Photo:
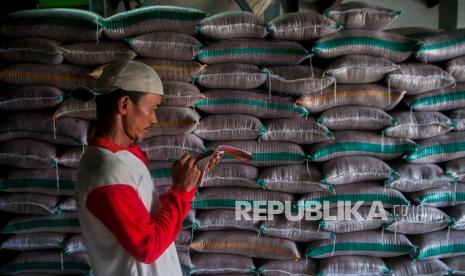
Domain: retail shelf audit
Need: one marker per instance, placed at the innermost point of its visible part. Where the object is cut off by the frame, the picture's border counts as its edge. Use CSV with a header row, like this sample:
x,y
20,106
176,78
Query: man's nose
x,y
153,120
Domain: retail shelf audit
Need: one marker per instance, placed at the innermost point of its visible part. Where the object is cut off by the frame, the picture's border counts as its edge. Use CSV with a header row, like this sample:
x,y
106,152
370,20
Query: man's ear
x,y
123,105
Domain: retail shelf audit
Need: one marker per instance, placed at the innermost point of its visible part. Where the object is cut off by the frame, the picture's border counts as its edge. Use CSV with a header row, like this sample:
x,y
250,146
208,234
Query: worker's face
x,y
140,116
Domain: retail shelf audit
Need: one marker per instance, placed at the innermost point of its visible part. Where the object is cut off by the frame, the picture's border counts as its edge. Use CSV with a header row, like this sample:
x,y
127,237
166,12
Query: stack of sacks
x,y
47,62
370,127
393,143
435,116
164,38
362,157
243,72
39,148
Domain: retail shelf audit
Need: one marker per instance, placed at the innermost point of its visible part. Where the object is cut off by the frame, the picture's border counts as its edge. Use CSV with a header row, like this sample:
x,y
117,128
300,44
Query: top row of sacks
x,y
79,25
68,25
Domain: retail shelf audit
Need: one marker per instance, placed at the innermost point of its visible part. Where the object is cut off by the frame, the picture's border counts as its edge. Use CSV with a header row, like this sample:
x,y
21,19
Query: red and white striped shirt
x,y
127,229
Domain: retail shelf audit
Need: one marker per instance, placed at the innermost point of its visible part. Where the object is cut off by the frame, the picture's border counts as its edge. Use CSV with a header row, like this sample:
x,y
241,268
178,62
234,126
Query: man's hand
x,y
186,174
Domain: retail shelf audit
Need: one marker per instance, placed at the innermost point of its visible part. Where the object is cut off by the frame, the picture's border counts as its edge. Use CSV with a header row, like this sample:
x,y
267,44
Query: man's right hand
x,y
185,173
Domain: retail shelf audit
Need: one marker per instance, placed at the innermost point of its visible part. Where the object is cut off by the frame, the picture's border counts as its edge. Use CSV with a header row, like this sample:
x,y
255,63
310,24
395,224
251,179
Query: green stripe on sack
x,y
449,196
6,184
355,246
24,267
224,203
423,152
444,44
359,146
353,198
27,225
438,99
254,51
437,251
273,156
161,173
266,105
362,40
126,19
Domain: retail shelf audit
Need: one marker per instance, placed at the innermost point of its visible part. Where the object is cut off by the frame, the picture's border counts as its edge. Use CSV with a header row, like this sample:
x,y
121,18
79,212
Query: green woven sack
x,y
365,143
442,148
51,181
366,192
438,100
445,196
440,244
254,51
232,25
228,197
365,42
353,224
359,15
265,154
59,24
47,262
64,223
152,19
256,104
442,46
301,26
366,243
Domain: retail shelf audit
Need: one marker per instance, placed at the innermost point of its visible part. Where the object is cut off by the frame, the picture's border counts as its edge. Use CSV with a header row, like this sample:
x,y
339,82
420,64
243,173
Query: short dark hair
x,y
107,104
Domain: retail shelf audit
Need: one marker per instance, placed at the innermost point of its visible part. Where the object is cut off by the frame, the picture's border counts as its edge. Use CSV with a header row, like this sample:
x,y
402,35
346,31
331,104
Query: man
x,y
127,230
